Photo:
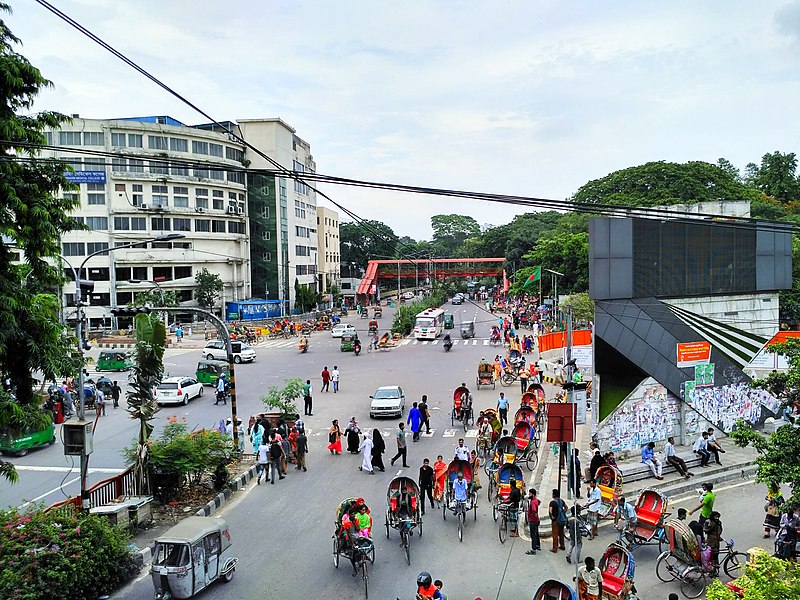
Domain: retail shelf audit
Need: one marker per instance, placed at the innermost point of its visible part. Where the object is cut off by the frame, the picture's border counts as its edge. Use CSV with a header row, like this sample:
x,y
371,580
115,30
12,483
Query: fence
x,y
106,491
558,339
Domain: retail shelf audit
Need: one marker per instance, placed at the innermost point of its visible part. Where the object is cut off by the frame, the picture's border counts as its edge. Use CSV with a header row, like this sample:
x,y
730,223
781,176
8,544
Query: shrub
x,y
405,314
283,399
61,554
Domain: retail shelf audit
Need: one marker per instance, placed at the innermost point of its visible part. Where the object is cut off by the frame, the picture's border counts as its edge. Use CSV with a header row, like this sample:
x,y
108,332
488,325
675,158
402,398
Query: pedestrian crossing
x,y
469,342
457,432
292,343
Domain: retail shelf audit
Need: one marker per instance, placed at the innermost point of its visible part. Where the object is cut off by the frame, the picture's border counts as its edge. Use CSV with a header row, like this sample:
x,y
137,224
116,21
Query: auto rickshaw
x,y
348,338
208,371
191,556
468,329
114,360
20,445
377,312
449,321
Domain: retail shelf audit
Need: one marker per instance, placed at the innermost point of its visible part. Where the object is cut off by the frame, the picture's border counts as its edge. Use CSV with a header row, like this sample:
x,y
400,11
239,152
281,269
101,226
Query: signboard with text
x,y
693,353
86,176
582,356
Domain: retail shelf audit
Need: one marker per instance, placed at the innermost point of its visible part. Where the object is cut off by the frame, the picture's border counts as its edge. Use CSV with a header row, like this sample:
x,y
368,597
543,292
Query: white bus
x,y
429,324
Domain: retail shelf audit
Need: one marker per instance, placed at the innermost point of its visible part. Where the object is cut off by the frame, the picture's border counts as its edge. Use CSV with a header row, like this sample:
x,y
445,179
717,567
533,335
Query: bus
x,y
429,324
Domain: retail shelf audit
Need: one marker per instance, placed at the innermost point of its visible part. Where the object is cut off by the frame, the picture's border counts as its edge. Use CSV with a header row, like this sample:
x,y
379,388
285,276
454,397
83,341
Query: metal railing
x,y
105,491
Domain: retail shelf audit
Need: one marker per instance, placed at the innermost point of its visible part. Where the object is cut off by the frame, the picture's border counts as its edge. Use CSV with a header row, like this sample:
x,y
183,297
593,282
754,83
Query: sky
x,y
527,98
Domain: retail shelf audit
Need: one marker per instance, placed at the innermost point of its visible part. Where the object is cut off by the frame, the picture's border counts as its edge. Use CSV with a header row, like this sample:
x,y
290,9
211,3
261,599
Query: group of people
x,y
276,448
781,518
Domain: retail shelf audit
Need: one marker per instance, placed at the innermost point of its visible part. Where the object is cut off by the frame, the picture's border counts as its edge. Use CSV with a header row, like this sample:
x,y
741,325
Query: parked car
x,y
178,390
215,350
408,295
387,401
342,328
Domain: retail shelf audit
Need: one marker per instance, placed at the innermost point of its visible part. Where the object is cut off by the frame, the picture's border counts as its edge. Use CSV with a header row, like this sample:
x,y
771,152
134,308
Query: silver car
x,y
387,401
215,350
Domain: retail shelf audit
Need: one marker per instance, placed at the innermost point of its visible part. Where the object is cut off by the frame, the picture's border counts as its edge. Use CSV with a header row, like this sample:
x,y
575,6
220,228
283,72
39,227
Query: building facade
x,y
161,177
328,260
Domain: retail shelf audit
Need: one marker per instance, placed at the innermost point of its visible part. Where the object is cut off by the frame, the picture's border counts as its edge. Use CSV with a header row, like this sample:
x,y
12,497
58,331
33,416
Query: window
x,y
267,256
180,191
73,249
92,247
183,272
199,147
158,168
97,199
215,150
218,226
100,299
178,145
96,187
124,297
159,196
160,224
119,165
216,193
93,138
122,273
122,224
300,213
181,197
200,173
203,225
236,177
299,187
219,204
233,154
265,212
231,195
162,273
157,142
236,227
202,192
138,224
301,269
94,164
135,140
301,251
118,140
266,235
160,189
301,231
135,165
48,135
97,223
214,174
241,197
69,138
180,170
182,224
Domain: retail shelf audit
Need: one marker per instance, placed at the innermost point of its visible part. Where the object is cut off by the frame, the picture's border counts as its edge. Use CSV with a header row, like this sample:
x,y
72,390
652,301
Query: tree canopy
x,y
209,287
362,242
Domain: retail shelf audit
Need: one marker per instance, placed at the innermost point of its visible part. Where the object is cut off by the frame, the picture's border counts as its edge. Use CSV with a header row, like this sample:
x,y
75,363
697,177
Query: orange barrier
x,y
558,339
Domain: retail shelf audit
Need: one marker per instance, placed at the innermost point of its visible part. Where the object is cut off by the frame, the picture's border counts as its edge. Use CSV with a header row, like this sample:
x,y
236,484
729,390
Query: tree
x,y
779,455
451,231
581,305
567,253
146,373
727,166
33,215
283,399
765,578
361,242
305,297
209,287
155,298
777,176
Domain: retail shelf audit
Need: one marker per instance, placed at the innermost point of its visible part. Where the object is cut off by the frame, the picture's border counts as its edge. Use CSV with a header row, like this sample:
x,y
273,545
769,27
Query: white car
x,y
409,295
178,390
215,350
342,328
387,401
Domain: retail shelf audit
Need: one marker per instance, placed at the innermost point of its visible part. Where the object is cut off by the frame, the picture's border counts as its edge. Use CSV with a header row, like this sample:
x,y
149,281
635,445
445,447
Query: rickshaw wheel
x,y
228,577
387,522
734,563
495,512
665,567
693,582
420,528
335,553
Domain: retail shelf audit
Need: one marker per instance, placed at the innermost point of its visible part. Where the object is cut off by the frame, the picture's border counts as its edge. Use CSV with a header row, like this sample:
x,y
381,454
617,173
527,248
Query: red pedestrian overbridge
x,y
433,268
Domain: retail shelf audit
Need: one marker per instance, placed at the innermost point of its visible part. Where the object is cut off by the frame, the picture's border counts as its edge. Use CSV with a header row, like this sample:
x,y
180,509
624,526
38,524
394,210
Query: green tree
x,y
33,216
146,373
284,399
567,253
361,242
777,176
155,298
727,166
305,297
209,287
581,305
765,578
451,231
779,455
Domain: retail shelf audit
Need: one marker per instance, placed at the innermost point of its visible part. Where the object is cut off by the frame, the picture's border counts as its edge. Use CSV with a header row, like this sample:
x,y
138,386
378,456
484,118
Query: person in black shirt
x,y
426,483
115,392
514,499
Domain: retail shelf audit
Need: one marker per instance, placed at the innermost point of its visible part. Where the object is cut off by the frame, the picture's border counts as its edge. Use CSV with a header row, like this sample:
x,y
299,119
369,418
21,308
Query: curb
x,y
549,379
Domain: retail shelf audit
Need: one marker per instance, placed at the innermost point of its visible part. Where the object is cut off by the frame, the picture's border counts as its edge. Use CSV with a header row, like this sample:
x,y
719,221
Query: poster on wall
x,y
688,388
704,374
693,353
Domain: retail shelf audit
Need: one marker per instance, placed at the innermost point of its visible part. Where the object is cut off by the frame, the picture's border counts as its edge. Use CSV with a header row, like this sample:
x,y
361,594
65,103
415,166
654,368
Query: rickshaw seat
x,y
504,491
607,492
647,516
612,584
522,443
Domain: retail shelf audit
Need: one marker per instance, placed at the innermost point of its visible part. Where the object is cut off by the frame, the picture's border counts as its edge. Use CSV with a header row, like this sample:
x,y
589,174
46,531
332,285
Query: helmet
x,y
424,579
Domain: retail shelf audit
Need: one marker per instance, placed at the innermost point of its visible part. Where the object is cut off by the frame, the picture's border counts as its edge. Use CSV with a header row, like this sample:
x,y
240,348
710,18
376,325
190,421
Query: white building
x,y
151,189
328,259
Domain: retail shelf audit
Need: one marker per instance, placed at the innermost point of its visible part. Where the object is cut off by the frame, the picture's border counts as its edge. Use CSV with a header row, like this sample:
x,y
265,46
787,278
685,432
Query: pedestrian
x,y
533,522
262,464
366,455
596,462
594,502
712,532
286,448
475,462
502,408
222,389
557,511
775,500
115,394
439,477
462,452
706,505
307,399
275,460
335,438
713,446
514,501
426,483
302,449
523,380
100,400
400,438
590,581
378,448
353,431
415,418
675,460
257,437
575,537
439,585
573,481
326,379
701,449
335,378
649,458
426,415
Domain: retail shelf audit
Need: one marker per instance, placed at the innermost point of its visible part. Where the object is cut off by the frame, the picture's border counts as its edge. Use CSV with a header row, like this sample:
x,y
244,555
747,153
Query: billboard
x,y
693,353
86,176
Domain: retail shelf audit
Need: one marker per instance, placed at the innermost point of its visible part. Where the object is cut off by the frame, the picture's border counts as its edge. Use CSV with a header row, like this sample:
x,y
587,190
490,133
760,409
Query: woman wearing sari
x,y
439,476
335,438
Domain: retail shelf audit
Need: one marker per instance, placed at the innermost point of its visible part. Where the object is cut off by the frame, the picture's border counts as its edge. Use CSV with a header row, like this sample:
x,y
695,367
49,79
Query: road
x,y
282,532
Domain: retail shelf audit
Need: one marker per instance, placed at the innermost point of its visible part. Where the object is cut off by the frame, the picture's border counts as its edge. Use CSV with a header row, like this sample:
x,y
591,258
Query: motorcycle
x,y
447,346
356,349
303,348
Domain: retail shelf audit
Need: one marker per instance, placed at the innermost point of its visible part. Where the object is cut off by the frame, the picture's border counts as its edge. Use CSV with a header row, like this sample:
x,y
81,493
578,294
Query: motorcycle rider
x,y
222,389
448,343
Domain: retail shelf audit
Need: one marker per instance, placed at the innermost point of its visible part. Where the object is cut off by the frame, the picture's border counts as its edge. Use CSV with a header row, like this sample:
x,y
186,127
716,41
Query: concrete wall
x,y
756,313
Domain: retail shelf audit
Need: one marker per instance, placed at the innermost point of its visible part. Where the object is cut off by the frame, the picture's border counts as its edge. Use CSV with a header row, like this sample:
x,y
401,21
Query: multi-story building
x,y
165,178
328,243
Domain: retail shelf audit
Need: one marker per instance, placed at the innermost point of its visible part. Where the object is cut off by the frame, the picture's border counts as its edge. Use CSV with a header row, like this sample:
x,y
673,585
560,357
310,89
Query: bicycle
x,y
502,512
694,578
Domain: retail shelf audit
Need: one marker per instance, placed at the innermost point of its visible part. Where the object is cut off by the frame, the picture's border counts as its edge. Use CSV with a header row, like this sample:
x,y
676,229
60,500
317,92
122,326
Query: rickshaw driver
x,y
374,341
304,341
627,513
460,489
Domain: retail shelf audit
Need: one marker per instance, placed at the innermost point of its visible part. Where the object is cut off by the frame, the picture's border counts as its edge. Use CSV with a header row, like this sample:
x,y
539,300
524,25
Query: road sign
x,y
561,422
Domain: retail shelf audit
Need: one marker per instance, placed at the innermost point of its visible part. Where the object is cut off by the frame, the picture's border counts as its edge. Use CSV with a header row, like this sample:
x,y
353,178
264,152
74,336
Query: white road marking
x,y
449,433
474,342
472,433
401,470
485,342
429,434
53,491
416,342
434,342
424,342
405,342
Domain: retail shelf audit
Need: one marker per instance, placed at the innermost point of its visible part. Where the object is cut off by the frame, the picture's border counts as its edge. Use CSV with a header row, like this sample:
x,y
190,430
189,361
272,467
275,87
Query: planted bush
x,y
61,554
405,314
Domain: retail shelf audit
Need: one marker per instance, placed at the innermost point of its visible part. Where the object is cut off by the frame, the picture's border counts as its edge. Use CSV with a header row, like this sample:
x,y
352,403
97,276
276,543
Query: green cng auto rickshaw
x,y
191,556
20,445
449,321
348,337
114,360
208,371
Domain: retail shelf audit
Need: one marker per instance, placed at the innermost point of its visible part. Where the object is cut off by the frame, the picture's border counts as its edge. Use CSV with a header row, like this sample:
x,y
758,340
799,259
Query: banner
x,y
693,353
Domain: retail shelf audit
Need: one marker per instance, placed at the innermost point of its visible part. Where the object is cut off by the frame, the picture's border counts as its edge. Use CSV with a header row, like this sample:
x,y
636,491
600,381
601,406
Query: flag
x,y
535,276
505,282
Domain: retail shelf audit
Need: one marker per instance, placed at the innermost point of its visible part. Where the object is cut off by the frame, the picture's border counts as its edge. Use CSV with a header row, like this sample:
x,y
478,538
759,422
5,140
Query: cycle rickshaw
x,y
462,407
449,502
609,480
502,485
618,567
372,327
485,375
505,452
524,435
403,511
651,511
691,565
358,549
554,590
525,413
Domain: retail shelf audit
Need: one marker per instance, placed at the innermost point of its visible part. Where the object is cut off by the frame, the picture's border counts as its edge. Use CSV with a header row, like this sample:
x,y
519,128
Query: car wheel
x,y
237,359
209,357
22,452
185,399
201,392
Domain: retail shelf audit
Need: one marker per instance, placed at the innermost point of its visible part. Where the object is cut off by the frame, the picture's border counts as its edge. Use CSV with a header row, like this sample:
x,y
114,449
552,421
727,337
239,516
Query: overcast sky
x,y
529,98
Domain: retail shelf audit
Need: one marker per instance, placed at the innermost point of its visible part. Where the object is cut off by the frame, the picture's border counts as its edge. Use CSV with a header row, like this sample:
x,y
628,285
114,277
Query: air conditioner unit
x,y
240,211
231,210
200,209
143,206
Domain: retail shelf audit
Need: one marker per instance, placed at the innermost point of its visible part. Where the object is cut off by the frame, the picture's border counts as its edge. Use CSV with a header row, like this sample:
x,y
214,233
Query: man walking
x,y
275,458
594,501
426,416
302,449
557,512
426,483
262,466
400,437
415,418
462,452
502,408
307,399
701,449
590,581
649,458
335,378
115,393
533,522
575,537
673,458
326,380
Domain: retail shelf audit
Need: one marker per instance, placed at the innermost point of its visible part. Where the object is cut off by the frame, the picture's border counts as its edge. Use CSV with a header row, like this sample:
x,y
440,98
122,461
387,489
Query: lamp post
x,y
85,500
555,276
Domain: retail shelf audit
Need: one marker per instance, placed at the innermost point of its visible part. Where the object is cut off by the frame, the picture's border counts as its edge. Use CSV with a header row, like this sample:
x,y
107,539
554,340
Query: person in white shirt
x,y
701,449
594,499
263,460
590,580
673,459
335,378
713,445
462,452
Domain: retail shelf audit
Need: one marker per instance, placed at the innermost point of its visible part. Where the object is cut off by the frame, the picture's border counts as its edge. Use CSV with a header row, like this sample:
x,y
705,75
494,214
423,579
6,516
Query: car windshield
x,y
171,555
424,322
386,394
168,386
